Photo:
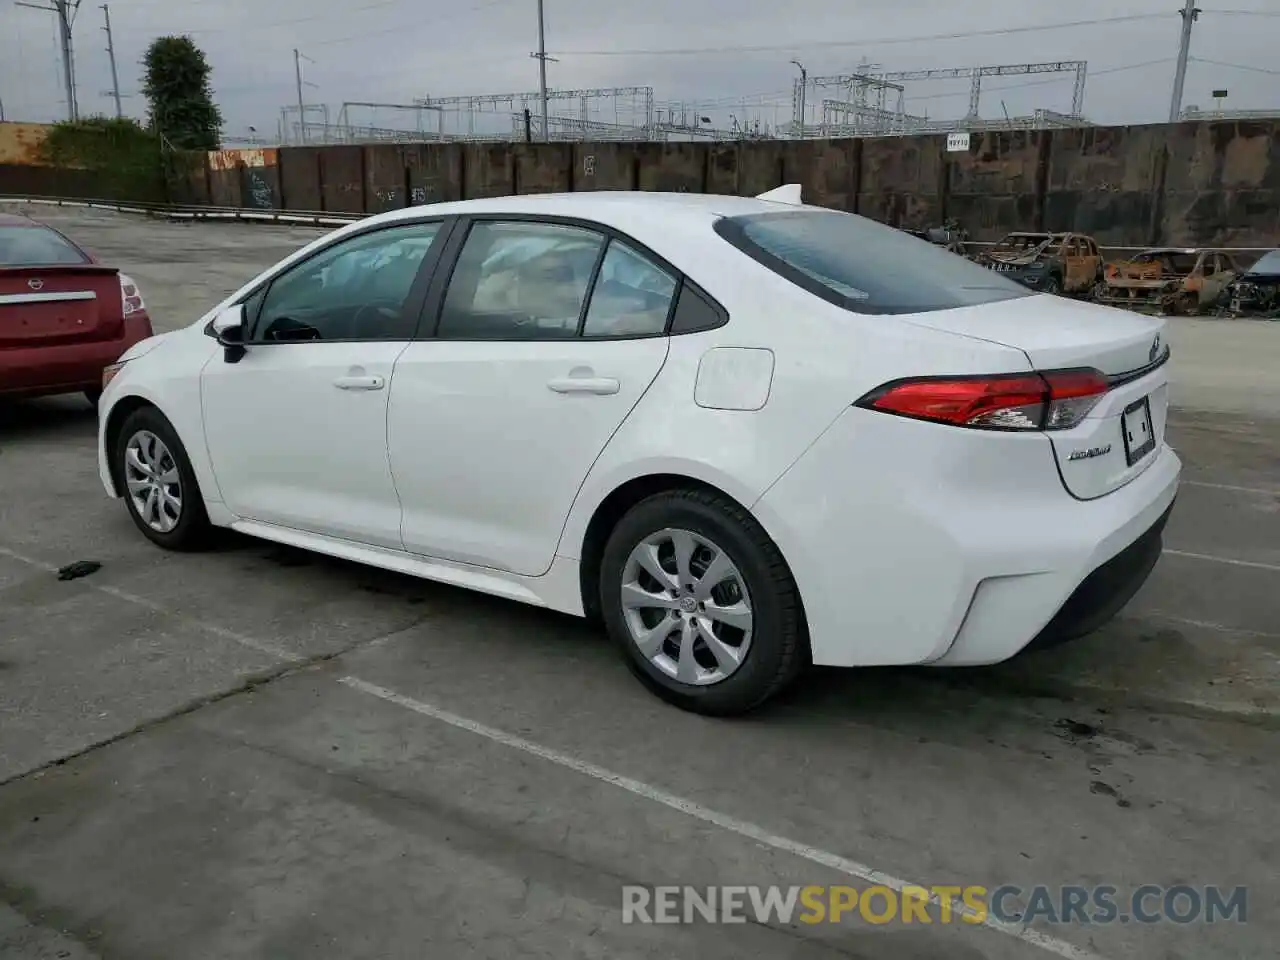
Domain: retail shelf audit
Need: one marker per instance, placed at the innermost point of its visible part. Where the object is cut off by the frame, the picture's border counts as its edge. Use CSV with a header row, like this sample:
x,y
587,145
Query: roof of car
x,y
604,204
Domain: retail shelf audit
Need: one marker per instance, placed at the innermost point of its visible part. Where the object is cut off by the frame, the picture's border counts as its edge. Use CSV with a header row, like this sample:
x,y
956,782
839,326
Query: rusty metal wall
x,y
1105,181
435,172
342,179
543,167
672,167
487,170
300,178
994,186
603,166
1222,184
386,178
901,181
1186,184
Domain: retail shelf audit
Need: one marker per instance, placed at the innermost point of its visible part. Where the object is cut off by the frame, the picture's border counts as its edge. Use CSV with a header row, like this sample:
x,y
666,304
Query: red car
x,y
63,315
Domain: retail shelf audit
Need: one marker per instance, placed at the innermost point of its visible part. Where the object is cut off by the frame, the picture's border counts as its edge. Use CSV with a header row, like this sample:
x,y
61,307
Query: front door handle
x,y
360,383
599,386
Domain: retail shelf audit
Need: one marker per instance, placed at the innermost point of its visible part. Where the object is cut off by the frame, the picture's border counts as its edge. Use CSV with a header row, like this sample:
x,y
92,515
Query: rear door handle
x,y
360,383
600,386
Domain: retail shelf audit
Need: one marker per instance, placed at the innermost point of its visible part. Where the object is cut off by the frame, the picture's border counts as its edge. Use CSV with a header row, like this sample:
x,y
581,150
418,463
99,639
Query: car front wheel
x,y
702,604
154,474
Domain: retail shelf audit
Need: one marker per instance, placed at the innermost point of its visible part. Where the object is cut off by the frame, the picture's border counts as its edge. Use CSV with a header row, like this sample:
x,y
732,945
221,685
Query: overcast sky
x,y
690,50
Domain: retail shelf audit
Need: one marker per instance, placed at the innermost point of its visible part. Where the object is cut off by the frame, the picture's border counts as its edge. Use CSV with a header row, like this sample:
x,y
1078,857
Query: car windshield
x,y
862,265
36,247
1268,264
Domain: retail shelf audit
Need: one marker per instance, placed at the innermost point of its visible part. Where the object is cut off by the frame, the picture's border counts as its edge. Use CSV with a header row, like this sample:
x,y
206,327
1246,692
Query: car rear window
x,y
862,265
36,247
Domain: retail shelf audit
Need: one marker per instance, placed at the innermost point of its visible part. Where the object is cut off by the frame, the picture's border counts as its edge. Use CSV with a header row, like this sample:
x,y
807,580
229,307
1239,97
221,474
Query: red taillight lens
x,y
1056,400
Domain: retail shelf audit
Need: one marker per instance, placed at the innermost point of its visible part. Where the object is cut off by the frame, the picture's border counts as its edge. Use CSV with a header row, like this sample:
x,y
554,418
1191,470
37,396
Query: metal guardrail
x,y
321,218
198,211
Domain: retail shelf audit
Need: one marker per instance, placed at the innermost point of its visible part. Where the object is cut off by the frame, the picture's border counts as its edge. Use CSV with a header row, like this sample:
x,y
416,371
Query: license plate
x,y
1135,427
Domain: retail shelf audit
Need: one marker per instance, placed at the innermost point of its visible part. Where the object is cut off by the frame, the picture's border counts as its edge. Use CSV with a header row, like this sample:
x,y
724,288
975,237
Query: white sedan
x,y
746,434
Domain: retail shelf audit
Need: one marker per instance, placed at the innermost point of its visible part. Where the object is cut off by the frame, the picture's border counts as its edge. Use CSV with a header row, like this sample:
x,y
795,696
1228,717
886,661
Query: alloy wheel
x,y
686,607
153,481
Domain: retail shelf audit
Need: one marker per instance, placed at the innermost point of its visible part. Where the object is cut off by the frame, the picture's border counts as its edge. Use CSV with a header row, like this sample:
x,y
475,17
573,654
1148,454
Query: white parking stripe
x,y
260,646
1253,564
743,828
1232,487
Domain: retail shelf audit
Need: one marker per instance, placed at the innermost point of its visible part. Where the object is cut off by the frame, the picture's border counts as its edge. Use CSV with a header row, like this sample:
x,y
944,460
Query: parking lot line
x,y
724,821
1254,564
260,646
1261,491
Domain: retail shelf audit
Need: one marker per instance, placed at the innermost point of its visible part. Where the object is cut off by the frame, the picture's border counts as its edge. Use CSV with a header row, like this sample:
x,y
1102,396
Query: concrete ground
x,y
260,753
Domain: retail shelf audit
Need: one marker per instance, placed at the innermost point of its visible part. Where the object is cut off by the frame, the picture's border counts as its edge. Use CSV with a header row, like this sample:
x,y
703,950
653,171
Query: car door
x,y
296,428
1073,252
546,336
1217,280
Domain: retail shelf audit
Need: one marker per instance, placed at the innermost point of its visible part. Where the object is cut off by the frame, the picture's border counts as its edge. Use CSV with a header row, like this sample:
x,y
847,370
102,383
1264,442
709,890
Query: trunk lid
x,y
1124,432
54,305
1055,332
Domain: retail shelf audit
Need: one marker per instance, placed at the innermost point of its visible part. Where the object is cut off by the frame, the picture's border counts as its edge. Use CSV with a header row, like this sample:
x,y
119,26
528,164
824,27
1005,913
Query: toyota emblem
x,y
35,283
1155,349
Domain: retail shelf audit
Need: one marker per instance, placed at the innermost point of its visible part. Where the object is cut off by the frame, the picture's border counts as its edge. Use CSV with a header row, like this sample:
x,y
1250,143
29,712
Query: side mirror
x,y
228,329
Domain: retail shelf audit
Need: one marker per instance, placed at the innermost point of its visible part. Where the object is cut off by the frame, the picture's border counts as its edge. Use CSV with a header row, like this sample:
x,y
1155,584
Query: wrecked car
x,y
1049,262
1256,292
1175,280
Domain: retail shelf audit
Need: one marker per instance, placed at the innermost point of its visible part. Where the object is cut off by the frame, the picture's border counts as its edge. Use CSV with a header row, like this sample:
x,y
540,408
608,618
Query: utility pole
x,y
804,86
542,58
302,111
111,55
66,12
1190,13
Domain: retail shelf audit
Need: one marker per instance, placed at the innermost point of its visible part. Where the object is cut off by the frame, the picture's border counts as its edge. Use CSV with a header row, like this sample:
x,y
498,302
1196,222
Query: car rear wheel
x,y
701,603
1052,285
160,490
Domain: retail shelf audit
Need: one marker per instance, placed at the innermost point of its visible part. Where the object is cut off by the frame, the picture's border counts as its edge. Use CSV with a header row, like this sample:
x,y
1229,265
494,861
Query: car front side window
x,y
358,289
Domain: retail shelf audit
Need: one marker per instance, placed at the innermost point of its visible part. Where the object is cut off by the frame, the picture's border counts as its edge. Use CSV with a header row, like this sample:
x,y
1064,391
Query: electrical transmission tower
x,y
66,12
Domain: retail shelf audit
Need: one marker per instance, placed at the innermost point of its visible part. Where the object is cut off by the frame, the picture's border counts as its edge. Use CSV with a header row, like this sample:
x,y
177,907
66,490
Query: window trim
x,y
415,301
429,323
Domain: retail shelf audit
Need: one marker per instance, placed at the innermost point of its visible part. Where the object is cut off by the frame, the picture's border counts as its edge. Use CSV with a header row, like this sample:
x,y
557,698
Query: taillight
x,y
1053,400
130,295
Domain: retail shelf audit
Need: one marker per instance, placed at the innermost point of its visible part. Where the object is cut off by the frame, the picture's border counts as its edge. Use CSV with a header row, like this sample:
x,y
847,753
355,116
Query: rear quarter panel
x,y
825,358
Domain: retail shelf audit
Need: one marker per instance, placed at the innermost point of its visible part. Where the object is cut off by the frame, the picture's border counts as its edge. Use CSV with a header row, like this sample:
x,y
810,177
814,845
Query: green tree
x,y
176,83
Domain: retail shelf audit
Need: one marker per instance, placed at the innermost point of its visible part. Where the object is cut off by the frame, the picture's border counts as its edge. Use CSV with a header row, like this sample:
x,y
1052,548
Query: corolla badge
x,y
35,283
1089,453
1155,349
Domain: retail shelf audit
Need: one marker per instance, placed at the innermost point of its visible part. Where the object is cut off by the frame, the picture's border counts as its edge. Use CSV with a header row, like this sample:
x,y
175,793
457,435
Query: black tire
x,y
779,639
192,531
1053,285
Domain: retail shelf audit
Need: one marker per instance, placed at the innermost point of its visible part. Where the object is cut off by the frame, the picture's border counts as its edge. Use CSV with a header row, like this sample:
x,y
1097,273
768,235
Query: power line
x,y
865,42
1246,13
1237,66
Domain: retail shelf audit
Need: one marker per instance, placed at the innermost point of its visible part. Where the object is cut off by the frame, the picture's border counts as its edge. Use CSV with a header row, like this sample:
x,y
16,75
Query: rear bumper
x,y
1104,592
913,544
66,368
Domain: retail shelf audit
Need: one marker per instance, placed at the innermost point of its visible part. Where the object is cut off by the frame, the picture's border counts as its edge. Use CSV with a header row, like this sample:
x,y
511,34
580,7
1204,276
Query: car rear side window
x,y
36,247
864,266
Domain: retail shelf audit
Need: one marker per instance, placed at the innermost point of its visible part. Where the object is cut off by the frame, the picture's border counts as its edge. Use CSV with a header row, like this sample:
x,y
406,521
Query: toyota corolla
x,y
743,434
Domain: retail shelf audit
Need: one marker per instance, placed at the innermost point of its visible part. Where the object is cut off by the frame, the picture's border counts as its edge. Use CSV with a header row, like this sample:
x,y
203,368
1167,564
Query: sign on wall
x,y
957,142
